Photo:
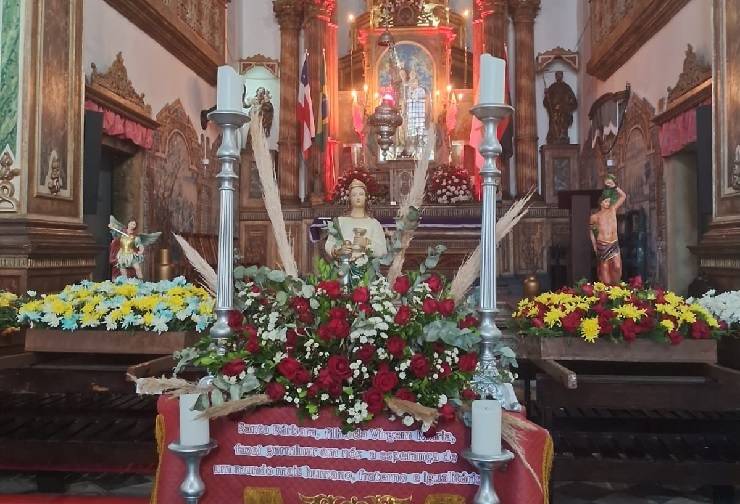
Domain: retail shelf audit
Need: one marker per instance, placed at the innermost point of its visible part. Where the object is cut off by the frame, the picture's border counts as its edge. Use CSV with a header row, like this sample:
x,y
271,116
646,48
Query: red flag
x,y
305,109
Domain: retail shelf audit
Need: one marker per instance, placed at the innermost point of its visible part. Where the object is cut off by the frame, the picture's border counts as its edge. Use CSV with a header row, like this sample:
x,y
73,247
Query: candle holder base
x,y
486,465
192,487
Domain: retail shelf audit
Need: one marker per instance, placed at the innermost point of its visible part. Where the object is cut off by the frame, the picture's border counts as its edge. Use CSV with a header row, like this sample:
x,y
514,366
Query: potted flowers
x,y
449,185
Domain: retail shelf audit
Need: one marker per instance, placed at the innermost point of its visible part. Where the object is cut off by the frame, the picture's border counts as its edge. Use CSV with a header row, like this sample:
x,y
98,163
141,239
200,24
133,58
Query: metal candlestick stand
x,y
228,154
192,487
486,466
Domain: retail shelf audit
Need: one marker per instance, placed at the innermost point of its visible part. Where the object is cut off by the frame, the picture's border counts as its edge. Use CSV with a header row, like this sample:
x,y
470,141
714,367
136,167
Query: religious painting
x,y
55,173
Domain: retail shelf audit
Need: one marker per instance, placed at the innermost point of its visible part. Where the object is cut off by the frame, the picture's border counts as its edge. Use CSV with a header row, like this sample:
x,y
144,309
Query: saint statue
x,y
416,115
560,103
261,104
127,248
356,235
603,232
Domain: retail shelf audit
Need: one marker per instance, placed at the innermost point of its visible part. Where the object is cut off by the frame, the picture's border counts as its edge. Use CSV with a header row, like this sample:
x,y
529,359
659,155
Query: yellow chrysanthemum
x,y
687,316
127,290
667,309
590,329
553,316
89,319
668,325
116,315
148,318
618,292
600,287
58,307
629,311
672,298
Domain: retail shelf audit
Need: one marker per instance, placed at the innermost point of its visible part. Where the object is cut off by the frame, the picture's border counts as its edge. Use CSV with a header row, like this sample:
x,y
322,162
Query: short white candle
x,y
492,79
486,428
193,431
229,89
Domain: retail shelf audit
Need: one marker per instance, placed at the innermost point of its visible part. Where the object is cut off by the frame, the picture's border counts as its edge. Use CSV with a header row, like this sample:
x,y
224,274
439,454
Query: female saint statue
x,y
357,234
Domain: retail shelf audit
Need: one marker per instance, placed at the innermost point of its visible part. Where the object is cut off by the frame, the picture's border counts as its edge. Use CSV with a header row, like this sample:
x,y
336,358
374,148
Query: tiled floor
x,y
564,493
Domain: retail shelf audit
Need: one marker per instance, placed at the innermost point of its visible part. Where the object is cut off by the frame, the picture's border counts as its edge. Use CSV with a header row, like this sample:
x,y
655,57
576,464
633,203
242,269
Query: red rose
x,y
300,304
324,332
446,370
434,283
338,313
587,289
468,362
365,353
385,380
338,328
571,321
446,307
332,288
403,315
629,330
438,346
538,322
234,367
235,319
419,366
605,325
659,296
700,330
468,322
365,308
374,399
256,289
312,391
636,282
324,380
395,346
361,295
335,389
250,331
306,317
288,367
447,413
290,338
406,395
302,376
429,306
469,394
675,337
275,391
339,368
402,285
253,345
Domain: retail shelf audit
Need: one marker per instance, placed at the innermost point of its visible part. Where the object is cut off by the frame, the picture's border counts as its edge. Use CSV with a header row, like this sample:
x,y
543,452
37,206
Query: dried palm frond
x,y
271,196
421,413
414,198
230,407
206,272
156,386
469,272
511,432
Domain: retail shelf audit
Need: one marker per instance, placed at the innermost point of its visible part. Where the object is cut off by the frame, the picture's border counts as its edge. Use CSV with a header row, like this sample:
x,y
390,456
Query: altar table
x,y
272,456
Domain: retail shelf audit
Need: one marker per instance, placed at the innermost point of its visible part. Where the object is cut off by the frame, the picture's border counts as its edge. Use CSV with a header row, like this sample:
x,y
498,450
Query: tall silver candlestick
x,y
487,380
228,154
192,487
486,465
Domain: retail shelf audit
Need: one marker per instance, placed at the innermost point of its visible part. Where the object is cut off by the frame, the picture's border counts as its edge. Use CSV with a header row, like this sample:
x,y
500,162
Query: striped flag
x,y
322,127
305,109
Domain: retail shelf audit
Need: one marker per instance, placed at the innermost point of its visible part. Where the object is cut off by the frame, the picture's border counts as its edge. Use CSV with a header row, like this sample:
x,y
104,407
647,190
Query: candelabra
x,y
192,487
486,466
228,154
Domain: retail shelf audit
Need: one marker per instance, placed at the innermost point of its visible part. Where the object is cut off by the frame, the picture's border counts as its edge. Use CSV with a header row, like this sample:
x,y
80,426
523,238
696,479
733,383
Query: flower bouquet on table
x,y
448,185
122,304
341,190
404,348
725,307
623,312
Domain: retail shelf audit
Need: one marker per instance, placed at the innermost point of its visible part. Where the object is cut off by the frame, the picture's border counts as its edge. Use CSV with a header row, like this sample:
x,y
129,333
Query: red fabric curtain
x,y
678,132
118,126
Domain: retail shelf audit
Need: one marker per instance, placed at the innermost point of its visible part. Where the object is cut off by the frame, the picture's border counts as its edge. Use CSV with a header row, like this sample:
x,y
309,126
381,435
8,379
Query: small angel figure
x,y
127,248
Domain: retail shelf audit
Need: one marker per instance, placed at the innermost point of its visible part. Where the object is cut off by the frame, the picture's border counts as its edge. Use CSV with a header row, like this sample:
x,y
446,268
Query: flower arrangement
x,y
724,306
315,344
123,304
341,190
9,304
620,312
448,185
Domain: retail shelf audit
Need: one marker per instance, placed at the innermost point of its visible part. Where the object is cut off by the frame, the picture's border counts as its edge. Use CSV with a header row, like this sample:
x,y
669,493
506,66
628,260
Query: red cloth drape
x,y
118,126
242,448
678,132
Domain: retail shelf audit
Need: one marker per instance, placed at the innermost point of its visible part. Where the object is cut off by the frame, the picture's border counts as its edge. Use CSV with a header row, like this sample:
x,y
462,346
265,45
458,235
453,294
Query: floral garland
x,y
341,190
124,303
724,306
448,185
315,344
621,312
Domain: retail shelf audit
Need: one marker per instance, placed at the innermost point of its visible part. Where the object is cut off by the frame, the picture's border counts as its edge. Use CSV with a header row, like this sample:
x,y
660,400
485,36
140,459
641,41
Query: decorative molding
x,y
114,90
260,60
370,499
20,262
8,201
289,14
694,73
547,58
193,31
702,93
619,29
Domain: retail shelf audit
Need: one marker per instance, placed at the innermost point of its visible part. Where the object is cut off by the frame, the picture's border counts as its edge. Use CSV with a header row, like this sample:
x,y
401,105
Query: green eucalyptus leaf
x,y
217,397
202,403
281,298
235,392
220,383
276,276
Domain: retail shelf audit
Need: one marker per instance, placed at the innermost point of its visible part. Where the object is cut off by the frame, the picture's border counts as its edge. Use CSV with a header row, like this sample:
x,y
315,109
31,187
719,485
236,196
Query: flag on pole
x,y
322,127
305,109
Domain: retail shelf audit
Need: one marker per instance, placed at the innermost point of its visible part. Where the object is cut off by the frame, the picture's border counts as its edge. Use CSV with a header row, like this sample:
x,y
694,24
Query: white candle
x,y
229,89
492,77
486,428
193,431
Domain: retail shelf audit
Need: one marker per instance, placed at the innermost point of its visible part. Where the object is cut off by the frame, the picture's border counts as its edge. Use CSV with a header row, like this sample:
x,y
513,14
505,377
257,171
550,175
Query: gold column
x,y
523,12
332,75
289,14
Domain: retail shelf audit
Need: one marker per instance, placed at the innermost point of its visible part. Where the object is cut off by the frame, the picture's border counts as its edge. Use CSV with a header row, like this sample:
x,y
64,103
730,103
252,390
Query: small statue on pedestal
x,y
127,247
560,102
603,232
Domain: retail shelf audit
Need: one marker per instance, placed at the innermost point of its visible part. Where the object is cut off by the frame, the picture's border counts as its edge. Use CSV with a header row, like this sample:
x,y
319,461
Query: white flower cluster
x,y
725,306
357,413
452,189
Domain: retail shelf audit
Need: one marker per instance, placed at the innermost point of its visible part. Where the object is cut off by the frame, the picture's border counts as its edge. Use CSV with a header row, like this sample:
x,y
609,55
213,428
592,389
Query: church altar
x,y
272,456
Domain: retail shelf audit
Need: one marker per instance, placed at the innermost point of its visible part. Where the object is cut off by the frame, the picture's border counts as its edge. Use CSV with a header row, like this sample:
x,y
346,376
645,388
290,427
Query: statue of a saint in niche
x,y
560,102
416,116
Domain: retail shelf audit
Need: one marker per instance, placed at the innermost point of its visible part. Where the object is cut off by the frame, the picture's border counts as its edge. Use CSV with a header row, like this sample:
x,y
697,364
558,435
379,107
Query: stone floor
x,y
564,493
